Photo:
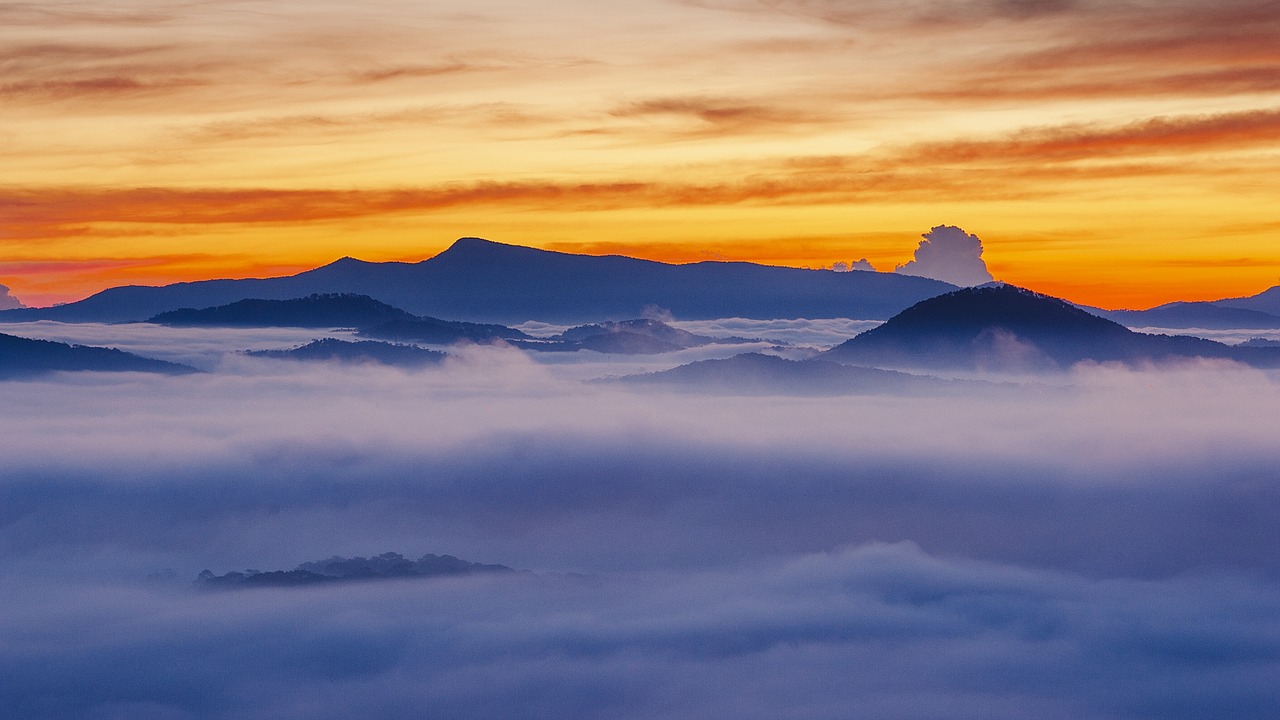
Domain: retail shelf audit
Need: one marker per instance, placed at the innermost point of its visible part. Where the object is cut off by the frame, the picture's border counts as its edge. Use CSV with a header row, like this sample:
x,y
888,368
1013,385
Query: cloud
x,y
1031,162
695,556
92,86
1156,136
777,638
949,254
862,264
497,449
7,300
724,116
1059,49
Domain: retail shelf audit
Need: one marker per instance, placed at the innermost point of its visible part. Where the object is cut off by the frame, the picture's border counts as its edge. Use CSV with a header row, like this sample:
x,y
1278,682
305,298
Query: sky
x,y
1120,154
1101,547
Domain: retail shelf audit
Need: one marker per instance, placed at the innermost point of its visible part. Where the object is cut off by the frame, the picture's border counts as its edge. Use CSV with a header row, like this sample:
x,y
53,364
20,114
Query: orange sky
x,y
1115,153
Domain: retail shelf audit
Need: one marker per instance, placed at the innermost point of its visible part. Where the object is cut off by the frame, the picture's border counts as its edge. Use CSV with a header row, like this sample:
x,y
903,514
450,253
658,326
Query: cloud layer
x,y
984,556
884,629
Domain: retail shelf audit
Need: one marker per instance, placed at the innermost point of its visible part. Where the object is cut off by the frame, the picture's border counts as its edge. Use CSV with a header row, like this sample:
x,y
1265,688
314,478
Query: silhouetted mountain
x,y
757,374
1206,315
374,319
24,358
331,349
434,331
484,281
314,311
627,337
1011,329
1267,301
387,566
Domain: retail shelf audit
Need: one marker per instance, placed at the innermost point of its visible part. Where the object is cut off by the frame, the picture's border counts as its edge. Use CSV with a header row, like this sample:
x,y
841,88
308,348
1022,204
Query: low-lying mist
x,y
1100,547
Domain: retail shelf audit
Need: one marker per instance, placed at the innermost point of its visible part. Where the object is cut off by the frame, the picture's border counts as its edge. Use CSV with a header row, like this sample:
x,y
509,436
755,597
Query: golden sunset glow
x,y
1118,154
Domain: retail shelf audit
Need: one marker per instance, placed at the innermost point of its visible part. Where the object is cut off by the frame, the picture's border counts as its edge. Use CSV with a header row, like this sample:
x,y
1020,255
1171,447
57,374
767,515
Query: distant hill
x,y
25,358
757,374
482,281
373,318
1205,315
1267,301
1007,328
434,331
363,351
329,310
387,566
1256,312
627,337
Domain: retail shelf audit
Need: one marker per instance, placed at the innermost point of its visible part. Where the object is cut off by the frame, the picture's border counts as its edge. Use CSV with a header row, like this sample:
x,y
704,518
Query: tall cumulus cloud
x,y
7,299
949,254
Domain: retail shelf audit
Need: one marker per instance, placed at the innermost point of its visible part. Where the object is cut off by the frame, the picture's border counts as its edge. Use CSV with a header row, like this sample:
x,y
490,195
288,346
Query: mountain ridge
x,y
760,374
23,358
481,280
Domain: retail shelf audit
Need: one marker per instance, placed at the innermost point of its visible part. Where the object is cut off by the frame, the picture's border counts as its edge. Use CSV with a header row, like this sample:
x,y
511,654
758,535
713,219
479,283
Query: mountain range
x,y
1219,315
482,281
374,319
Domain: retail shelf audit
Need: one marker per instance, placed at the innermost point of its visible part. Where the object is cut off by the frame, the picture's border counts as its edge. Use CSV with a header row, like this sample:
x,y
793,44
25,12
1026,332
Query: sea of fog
x,y
1103,547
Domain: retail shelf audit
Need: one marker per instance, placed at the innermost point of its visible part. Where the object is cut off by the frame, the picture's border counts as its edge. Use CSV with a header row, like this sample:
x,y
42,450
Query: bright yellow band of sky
x,y
1121,154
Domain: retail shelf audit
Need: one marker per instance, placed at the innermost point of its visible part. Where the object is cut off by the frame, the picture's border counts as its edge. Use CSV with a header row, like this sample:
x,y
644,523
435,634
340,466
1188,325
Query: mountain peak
x,y
480,247
481,280
997,327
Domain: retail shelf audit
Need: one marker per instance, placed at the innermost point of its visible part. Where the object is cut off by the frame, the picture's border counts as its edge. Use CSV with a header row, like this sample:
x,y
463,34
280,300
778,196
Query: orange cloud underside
x,y
1107,154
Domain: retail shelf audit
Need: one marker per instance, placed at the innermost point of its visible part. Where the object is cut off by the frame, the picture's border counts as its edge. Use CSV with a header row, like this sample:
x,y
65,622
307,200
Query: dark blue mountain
x,y
363,351
328,310
1257,312
25,358
627,337
1006,328
483,281
1267,301
757,374
434,331
1204,315
373,318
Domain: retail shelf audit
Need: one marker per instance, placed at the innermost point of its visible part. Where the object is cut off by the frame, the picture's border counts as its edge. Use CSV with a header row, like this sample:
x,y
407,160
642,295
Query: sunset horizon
x,y
663,360
1112,154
